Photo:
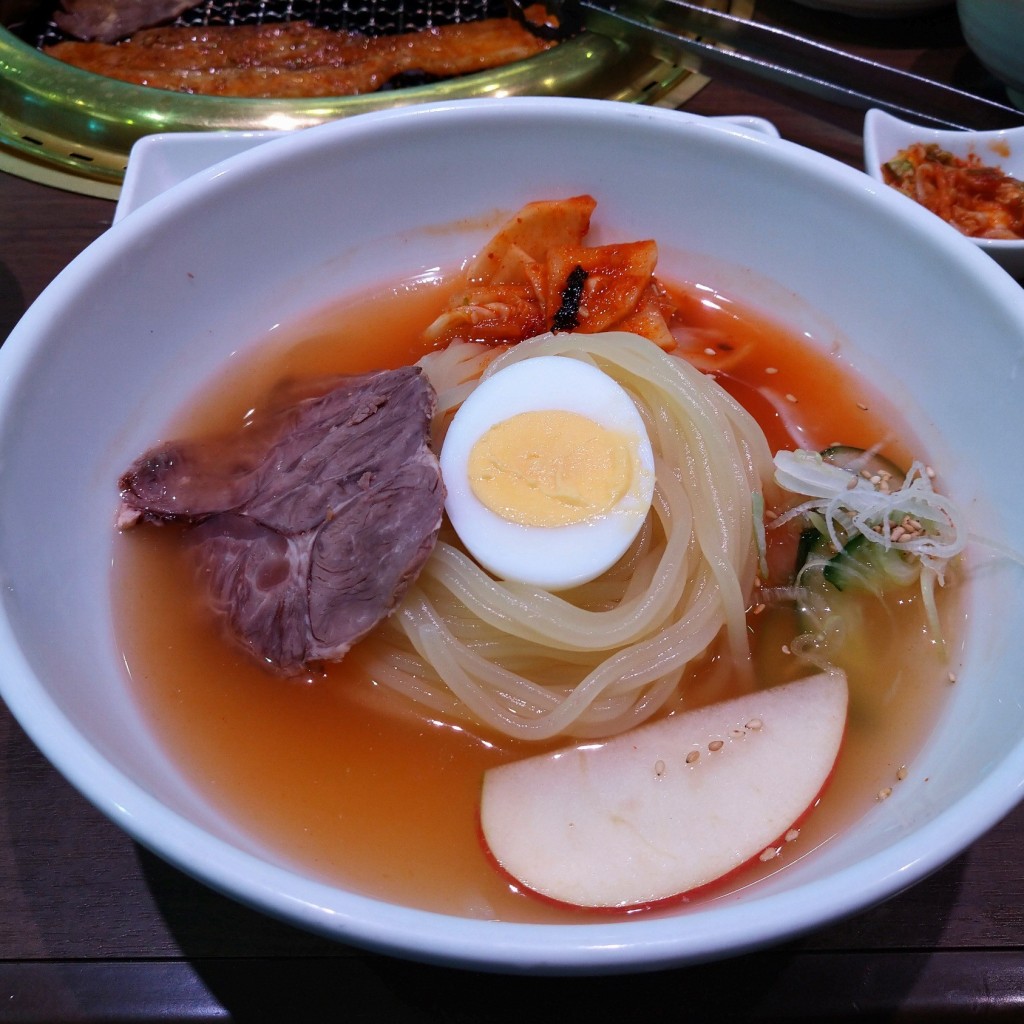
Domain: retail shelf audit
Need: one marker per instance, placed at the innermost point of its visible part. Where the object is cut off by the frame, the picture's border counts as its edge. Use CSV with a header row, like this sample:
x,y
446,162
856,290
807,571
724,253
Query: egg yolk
x,y
550,468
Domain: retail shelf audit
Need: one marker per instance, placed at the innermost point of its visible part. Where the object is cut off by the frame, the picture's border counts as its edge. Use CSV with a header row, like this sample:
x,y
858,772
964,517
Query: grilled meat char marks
x,y
308,529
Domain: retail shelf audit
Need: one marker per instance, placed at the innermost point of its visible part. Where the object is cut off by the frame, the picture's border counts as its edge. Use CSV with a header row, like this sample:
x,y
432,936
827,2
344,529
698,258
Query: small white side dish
x,y
157,162
885,135
136,326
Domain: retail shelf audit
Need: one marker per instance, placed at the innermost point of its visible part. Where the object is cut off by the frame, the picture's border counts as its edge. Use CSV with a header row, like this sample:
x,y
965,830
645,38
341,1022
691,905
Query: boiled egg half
x,y
549,472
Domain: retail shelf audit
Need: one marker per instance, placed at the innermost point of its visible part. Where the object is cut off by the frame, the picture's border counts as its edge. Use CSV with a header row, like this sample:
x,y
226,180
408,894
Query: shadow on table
x,y
12,301
259,969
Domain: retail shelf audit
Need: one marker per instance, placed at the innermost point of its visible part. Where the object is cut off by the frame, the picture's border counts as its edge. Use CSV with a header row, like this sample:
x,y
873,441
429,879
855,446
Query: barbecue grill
x,y
73,128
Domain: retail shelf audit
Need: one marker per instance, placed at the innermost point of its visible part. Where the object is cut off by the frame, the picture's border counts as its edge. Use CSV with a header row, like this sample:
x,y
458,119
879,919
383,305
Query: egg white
x,y
550,557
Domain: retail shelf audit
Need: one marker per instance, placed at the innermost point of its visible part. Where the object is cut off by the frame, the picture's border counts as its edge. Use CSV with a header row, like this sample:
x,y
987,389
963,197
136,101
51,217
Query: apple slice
x,y
667,807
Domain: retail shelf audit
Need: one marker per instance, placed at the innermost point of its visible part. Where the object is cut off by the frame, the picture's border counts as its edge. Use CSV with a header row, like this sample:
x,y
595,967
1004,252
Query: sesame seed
x,y
659,768
716,745
792,834
901,773
769,854
851,483
862,407
885,793
791,397
755,724
771,369
736,733
759,608
709,352
693,757
929,472
951,677
785,649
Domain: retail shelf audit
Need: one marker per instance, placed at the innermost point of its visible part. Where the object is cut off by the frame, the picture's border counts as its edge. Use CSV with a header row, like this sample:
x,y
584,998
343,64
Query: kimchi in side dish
x,y
979,200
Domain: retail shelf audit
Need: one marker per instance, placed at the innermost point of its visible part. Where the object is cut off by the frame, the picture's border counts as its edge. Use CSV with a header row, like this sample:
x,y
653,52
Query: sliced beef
x,y
109,20
309,528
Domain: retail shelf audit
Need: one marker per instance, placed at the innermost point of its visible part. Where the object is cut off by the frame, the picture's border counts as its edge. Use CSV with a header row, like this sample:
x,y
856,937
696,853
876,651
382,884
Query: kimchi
x,y
980,201
537,274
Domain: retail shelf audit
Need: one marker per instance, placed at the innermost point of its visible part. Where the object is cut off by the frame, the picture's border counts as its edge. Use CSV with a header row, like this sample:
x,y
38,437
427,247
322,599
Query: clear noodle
x,y
608,655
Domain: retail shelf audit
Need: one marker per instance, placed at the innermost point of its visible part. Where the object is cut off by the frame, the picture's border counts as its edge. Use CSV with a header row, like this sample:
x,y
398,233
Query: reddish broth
x,y
339,780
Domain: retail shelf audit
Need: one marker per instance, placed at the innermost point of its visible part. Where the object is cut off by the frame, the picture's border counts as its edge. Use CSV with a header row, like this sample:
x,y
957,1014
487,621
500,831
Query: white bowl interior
x,y
885,135
134,327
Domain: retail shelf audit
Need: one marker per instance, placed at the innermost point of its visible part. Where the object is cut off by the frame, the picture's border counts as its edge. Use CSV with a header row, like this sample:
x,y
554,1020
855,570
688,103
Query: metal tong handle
x,y
678,28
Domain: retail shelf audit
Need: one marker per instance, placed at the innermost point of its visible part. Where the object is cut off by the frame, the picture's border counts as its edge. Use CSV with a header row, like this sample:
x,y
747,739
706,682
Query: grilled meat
x,y
297,59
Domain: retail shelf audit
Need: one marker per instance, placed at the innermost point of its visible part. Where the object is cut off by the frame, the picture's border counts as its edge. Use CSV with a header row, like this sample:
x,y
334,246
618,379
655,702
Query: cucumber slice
x,y
864,565
859,563
850,567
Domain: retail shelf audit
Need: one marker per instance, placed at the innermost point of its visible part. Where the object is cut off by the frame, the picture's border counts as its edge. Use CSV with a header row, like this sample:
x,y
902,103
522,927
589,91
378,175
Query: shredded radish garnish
x,y
913,518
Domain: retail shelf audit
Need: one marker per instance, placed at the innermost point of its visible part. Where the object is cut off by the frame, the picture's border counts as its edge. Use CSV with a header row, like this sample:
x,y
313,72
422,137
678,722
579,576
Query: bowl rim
x,y
509,947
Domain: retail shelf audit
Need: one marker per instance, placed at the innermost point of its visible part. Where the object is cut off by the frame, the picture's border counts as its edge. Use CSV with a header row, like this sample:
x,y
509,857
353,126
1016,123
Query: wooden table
x,y
94,928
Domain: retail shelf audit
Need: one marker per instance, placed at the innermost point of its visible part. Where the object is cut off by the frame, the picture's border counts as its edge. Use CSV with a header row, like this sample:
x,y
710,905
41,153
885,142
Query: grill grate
x,y
75,131
386,17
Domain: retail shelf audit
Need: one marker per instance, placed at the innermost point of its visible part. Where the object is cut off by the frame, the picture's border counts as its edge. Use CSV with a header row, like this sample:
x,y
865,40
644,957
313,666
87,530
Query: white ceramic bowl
x,y
134,327
885,135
